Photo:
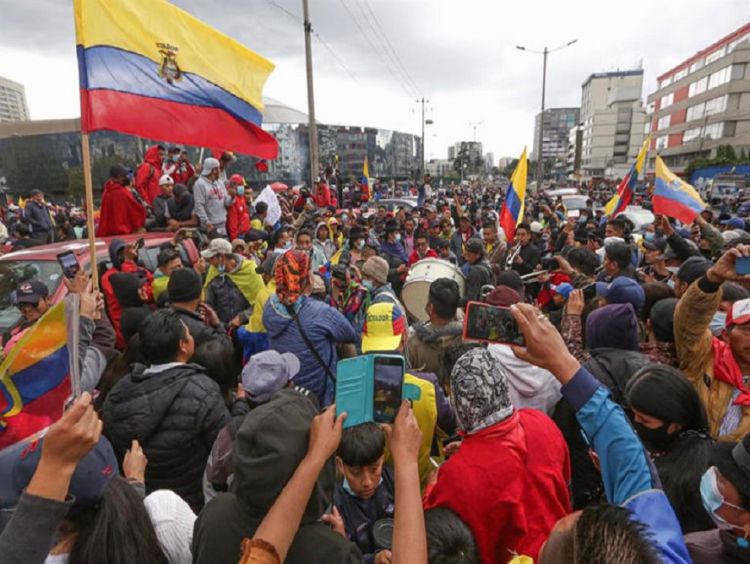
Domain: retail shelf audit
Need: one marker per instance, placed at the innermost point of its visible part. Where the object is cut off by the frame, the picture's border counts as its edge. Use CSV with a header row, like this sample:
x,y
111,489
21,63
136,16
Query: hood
x,y
114,248
318,226
614,367
612,326
125,287
152,156
110,185
151,401
526,379
429,333
279,322
275,435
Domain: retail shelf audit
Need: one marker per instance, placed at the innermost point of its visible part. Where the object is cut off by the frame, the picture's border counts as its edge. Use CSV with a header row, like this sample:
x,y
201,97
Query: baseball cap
x,y
209,164
692,269
536,227
739,313
658,244
90,477
268,372
622,290
217,247
563,289
30,292
475,246
503,296
734,223
237,180
383,329
165,179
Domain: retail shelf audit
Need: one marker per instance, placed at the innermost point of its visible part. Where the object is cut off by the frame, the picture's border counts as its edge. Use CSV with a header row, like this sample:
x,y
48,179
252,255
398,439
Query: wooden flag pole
x,y
89,190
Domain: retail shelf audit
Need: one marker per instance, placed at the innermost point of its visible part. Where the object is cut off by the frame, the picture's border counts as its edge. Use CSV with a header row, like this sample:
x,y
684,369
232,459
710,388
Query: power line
x,y
374,48
393,51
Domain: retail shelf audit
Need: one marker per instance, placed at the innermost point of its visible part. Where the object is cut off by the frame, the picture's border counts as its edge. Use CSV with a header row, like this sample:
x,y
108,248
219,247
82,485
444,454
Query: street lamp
x,y
475,124
544,53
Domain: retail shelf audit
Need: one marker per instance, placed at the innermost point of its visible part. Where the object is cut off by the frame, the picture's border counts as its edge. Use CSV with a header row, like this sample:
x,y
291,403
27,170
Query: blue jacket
x,y
324,327
626,470
38,216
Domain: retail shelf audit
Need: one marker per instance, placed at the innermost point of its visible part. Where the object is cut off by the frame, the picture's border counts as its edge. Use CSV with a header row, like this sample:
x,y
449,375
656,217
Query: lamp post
x,y
544,52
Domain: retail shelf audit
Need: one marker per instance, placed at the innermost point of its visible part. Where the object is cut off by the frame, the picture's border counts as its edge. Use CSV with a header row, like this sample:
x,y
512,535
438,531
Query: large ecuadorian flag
x,y
151,69
674,197
511,214
35,379
624,194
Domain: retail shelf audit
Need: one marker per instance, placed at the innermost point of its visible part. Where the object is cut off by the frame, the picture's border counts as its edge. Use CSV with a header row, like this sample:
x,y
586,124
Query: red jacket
x,y
414,257
509,484
238,219
121,213
323,196
181,174
114,310
148,175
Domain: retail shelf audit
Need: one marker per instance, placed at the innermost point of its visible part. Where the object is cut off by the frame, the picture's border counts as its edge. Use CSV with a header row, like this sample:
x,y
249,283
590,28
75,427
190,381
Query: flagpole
x,y
89,192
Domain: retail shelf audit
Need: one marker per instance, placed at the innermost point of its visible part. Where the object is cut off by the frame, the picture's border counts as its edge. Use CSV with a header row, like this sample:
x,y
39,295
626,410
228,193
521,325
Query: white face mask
x,y
713,500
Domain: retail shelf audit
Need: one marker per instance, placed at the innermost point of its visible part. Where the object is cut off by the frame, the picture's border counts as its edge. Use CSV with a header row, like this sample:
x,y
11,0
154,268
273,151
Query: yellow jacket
x,y
247,280
255,324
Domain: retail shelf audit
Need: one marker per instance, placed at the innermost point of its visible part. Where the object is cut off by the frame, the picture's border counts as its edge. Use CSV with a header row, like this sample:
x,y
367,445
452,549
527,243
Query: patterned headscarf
x,y
479,390
292,268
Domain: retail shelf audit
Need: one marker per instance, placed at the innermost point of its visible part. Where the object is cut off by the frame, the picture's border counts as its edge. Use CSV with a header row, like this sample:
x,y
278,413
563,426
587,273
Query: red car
x,y
41,263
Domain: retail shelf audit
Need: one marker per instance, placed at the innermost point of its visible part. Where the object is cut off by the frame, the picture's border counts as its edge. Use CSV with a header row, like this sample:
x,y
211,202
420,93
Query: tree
x,y
75,183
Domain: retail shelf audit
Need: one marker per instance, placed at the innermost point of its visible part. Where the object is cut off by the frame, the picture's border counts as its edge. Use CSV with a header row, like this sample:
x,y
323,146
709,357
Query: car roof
x,y
81,247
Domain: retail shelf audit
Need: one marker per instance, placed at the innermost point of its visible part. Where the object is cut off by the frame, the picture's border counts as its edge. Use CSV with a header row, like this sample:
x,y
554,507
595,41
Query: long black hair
x,y
118,530
664,392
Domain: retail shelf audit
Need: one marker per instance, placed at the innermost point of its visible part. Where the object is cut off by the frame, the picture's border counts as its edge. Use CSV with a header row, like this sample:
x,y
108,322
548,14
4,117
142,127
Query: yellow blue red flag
x,y
511,214
36,378
674,197
151,69
366,180
625,190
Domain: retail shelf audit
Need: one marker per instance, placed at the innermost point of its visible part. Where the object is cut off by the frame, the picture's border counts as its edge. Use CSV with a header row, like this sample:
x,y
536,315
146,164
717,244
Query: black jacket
x,y
198,328
480,274
269,446
175,415
38,216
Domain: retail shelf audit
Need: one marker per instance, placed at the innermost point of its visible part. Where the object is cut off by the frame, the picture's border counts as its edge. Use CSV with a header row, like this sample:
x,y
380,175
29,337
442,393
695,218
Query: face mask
x,y
398,237
361,244
368,285
655,440
718,323
287,245
713,500
344,218
222,268
673,269
240,190
649,236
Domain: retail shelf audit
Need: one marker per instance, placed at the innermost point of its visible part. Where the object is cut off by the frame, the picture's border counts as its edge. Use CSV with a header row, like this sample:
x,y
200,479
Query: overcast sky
x,y
459,54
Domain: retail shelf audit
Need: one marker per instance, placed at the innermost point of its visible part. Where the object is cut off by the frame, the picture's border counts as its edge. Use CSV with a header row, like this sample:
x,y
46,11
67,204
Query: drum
x,y
417,285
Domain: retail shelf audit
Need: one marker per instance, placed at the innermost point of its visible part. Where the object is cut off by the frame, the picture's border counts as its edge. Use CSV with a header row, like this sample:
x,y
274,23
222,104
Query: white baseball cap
x,y
165,179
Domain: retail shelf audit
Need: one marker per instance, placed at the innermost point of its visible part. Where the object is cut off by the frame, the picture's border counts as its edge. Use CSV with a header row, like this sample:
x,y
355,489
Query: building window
x,y
716,55
661,142
738,71
714,131
667,100
695,112
696,65
691,134
719,77
717,105
664,122
647,128
680,74
666,82
698,87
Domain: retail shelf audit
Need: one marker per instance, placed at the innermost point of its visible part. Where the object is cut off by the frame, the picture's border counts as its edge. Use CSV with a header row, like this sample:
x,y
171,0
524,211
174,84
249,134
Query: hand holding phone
x,y
491,324
742,266
69,264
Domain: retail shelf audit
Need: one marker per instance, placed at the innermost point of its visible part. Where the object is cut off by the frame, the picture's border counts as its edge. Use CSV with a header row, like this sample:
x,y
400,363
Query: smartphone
x,y
69,264
388,380
139,244
589,292
742,266
491,324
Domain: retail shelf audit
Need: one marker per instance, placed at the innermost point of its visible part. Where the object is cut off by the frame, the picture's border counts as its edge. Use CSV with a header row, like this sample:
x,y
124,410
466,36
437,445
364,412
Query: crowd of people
x,y
207,431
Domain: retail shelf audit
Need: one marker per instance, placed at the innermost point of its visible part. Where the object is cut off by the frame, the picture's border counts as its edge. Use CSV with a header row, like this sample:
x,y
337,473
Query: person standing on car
x,y
121,213
211,199
37,215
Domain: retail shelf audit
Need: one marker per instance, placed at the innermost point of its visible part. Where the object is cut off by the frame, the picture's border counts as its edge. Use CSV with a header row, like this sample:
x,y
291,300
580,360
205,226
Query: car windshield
x,y
12,273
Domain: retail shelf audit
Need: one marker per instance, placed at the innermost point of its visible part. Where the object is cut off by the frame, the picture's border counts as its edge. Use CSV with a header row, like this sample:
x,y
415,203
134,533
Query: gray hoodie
x,y
211,202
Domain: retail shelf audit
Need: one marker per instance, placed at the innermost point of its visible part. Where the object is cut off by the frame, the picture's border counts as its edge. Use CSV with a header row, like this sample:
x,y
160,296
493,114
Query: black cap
x,y
658,244
733,461
185,285
255,235
692,269
30,292
475,246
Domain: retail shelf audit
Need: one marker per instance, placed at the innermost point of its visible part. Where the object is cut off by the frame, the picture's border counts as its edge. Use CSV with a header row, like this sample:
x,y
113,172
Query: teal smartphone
x,y
370,388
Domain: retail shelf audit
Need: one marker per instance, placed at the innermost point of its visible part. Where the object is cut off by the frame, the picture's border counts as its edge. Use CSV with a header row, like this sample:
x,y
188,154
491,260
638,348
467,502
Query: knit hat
x,y
376,268
209,164
503,296
174,521
612,326
185,285
479,391
268,372
692,269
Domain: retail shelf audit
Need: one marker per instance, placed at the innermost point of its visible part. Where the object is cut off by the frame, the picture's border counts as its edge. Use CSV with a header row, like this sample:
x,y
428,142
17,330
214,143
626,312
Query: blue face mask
x,y
222,268
649,236
398,237
718,323
287,245
713,500
240,190
368,284
361,244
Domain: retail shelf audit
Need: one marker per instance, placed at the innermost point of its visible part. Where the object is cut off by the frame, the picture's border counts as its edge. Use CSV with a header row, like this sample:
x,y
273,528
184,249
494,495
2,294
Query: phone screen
x,y
491,323
69,264
742,265
589,292
389,380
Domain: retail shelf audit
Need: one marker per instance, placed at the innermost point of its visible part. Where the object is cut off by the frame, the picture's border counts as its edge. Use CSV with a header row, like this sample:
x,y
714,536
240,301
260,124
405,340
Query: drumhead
x,y
421,275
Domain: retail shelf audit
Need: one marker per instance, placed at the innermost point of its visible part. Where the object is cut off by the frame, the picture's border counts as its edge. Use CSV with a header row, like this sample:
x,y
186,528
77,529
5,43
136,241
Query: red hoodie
x,y
238,219
323,196
121,213
509,484
148,174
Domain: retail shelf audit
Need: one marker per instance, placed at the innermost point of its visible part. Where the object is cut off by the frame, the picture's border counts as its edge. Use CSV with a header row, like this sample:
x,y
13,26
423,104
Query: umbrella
x,y
279,187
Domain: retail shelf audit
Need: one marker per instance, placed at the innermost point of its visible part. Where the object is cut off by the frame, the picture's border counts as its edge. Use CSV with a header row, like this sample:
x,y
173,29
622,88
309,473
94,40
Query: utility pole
x,y
423,164
540,140
312,126
475,124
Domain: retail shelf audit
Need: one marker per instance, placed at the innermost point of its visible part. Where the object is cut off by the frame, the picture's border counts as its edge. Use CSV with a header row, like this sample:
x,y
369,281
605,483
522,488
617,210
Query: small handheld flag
x,y
674,197
511,214
624,194
367,193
